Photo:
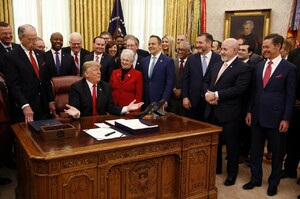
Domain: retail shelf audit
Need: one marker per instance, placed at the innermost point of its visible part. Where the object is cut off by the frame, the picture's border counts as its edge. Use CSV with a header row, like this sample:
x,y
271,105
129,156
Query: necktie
x,y
223,68
34,64
97,59
76,63
57,62
94,97
204,65
267,74
181,67
8,49
152,67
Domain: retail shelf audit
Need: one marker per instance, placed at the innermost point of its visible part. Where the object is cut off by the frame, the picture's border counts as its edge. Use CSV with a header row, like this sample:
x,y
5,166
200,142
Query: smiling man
x,y
91,96
270,111
59,63
158,73
99,55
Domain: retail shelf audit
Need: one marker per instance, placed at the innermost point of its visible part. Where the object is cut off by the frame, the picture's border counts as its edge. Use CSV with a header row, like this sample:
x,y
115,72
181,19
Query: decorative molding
x,y
78,161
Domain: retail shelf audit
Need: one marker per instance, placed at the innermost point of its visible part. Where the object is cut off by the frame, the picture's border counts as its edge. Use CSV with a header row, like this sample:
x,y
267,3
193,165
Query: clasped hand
x,y
211,98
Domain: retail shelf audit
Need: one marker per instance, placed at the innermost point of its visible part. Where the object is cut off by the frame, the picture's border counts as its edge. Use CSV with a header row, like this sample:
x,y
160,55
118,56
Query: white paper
x,y
112,122
135,124
102,125
104,133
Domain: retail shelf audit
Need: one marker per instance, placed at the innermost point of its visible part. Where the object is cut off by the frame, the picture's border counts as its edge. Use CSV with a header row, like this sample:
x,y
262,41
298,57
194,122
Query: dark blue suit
x,y
269,106
228,113
160,85
192,81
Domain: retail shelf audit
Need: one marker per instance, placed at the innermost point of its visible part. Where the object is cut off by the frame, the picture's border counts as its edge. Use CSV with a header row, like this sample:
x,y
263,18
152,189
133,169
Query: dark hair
x,y
105,33
219,43
98,37
246,42
208,37
157,37
3,24
110,44
276,39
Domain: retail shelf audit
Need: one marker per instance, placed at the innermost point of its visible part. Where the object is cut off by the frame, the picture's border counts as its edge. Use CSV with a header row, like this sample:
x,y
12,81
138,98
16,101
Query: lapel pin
x,y
161,61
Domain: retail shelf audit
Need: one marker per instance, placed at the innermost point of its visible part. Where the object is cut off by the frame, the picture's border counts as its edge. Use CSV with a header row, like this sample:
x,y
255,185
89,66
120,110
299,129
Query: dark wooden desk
x,y
178,162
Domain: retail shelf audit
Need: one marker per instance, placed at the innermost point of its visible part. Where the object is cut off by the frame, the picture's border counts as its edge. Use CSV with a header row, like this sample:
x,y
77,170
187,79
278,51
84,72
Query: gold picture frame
x,y
234,20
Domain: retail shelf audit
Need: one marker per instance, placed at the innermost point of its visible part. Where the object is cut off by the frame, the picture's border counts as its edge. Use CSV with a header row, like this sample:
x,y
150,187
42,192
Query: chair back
x,y
60,87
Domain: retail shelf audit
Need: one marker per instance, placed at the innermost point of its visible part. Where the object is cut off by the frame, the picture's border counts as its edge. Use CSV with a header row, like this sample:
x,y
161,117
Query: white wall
x,y
280,13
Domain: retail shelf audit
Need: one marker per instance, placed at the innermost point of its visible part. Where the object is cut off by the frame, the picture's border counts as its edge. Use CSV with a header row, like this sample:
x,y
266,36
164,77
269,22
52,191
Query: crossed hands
x,y
211,98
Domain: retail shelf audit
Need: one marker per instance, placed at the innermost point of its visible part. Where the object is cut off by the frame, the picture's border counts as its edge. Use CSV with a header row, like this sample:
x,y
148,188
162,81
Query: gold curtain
x,y
182,17
6,12
90,18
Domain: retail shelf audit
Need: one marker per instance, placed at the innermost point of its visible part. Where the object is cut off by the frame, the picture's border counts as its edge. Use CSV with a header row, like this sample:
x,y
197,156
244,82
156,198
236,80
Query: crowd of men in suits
x,y
223,83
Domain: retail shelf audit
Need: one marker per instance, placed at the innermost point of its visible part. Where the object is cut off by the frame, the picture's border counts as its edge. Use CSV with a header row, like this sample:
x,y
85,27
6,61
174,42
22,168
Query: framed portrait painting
x,y
252,25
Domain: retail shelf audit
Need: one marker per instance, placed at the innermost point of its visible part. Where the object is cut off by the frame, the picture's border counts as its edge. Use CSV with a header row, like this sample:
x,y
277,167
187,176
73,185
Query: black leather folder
x,y
36,125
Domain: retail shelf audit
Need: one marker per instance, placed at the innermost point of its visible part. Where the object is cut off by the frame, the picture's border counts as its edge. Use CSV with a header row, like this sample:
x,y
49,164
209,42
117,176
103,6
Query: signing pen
x,y
108,134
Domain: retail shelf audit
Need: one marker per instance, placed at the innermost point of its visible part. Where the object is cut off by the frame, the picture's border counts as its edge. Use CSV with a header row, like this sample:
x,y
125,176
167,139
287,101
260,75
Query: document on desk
x,y
104,133
136,124
112,122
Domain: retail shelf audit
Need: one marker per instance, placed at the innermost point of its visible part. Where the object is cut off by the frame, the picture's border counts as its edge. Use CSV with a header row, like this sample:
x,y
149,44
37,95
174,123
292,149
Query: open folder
x,y
137,126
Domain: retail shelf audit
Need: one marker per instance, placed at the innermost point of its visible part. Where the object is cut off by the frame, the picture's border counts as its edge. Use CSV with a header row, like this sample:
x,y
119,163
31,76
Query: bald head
x,y
56,40
229,49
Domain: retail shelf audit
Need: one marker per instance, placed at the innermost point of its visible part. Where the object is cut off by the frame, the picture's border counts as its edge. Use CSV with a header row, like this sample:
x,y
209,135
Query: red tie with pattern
x,y
267,74
77,63
181,67
94,100
34,64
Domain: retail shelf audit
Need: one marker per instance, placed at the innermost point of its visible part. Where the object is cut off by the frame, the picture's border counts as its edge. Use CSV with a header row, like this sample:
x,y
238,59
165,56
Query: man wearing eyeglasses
x,y
75,49
6,43
27,78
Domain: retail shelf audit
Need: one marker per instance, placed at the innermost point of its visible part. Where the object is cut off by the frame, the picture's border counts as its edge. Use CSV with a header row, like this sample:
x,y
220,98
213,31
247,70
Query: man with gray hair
x,y
224,89
183,51
27,79
76,50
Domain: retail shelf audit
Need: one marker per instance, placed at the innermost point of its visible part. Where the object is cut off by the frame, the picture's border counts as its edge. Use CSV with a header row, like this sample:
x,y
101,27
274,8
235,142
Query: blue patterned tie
x,y
57,62
204,65
152,67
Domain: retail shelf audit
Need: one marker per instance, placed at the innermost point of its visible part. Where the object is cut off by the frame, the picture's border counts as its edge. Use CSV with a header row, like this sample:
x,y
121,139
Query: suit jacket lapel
x,y
215,72
26,60
277,71
159,60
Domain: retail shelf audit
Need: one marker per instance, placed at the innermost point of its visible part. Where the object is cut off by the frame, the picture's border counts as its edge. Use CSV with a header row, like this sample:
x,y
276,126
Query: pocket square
x,y
280,76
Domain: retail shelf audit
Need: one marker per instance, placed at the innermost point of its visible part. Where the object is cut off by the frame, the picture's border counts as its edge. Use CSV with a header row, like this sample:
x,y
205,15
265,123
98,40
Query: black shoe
x,y
230,180
4,181
286,174
272,190
251,185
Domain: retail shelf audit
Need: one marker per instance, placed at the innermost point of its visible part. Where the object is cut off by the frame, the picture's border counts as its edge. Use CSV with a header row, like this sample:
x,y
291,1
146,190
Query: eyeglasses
x,y
180,49
75,44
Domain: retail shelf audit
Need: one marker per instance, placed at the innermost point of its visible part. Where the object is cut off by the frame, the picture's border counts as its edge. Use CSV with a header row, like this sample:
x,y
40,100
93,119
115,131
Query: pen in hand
x,y
108,134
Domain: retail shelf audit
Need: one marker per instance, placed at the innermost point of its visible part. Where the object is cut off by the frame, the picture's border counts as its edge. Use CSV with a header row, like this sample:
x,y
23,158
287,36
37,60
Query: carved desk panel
x,y
179,162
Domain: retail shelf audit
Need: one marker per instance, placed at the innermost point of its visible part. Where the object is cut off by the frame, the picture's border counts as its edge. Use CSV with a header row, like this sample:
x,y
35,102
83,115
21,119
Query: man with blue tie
x,y
195,70
59,62
270,111
158,73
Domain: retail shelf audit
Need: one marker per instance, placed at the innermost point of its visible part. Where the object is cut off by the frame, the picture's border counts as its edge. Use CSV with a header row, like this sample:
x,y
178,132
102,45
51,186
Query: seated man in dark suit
x,y
75,49
59,63
91,96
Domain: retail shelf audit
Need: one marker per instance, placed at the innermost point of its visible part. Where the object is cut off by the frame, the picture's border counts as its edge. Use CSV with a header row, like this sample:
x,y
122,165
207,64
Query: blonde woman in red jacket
x,y
126,82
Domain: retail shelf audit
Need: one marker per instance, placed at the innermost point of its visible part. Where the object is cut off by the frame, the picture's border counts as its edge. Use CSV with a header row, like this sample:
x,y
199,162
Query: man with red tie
x,y
76,50
92,96
27,79
270,111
